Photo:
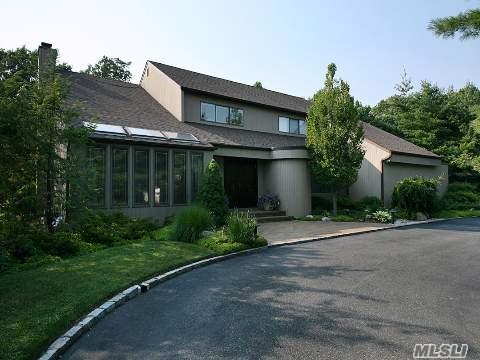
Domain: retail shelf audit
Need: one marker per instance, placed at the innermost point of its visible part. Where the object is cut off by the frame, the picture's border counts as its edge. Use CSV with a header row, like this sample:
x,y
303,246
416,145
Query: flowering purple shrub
x,y
268,202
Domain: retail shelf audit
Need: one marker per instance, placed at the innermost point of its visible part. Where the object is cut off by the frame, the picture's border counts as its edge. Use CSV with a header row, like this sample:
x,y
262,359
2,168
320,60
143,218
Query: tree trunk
x,y
50,191
334,201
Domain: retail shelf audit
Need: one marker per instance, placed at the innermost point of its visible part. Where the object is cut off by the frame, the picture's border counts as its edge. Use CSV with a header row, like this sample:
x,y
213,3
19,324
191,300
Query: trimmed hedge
x,y
416,194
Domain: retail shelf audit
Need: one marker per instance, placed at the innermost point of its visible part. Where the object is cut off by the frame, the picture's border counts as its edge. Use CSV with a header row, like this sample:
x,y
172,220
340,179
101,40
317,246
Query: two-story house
x,y
153,141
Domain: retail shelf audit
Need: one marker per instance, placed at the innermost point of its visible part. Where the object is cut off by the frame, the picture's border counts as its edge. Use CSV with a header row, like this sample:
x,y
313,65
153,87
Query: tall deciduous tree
x,y
110,68
466,24
35,127
334,135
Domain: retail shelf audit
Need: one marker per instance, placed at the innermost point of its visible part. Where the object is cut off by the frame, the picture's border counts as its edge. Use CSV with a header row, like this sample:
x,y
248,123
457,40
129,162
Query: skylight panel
x,y
180,136
107,129
144,132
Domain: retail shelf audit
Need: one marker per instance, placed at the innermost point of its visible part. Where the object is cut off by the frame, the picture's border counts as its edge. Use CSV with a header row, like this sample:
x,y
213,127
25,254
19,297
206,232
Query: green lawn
x,y
41,303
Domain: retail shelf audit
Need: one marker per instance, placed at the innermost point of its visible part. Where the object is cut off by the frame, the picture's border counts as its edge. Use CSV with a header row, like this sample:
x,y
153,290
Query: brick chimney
x,y
47,59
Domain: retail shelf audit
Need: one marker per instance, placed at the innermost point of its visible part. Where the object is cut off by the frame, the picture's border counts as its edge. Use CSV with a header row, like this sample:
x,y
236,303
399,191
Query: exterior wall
x,y
257,118
261,154
155,212
163,89
290,179
369,182
395,171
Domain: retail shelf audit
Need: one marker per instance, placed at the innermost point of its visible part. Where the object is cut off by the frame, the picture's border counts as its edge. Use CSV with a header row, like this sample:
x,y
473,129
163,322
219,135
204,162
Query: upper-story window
x,y
292,126
221,114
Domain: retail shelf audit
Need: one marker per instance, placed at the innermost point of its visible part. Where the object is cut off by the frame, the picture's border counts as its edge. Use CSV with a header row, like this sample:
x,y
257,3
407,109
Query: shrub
x,y
371,203
415,194
62,243
212,194
344,202
461,196
268,201
343,218
382,216
190,223
108,229
320,204
241,227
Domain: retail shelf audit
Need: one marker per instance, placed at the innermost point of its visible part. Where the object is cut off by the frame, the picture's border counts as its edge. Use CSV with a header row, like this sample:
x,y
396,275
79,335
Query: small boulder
x,y
421,216
326,218
309,217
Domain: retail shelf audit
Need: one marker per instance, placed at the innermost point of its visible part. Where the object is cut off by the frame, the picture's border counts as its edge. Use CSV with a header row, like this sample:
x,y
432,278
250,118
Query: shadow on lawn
x,y
251,307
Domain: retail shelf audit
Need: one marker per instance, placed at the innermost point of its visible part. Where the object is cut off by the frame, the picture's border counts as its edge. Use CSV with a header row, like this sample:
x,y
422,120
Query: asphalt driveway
x,y
369,296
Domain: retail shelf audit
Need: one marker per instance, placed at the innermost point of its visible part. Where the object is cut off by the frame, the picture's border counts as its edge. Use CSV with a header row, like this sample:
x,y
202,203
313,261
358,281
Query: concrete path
x,y
295,230
370,296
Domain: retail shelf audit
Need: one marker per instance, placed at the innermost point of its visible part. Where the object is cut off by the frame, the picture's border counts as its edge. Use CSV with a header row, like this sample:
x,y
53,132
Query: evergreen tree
x,y
212,193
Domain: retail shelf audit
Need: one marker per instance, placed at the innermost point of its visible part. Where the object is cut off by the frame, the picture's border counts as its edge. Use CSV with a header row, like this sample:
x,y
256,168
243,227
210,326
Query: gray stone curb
x,y
60,345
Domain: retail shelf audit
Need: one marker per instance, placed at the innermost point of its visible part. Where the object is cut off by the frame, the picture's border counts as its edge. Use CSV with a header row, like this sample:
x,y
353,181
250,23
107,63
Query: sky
x,y
286,45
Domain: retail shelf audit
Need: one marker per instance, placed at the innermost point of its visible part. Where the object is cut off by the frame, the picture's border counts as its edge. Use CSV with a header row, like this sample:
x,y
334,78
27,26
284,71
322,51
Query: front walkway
x,y
302,230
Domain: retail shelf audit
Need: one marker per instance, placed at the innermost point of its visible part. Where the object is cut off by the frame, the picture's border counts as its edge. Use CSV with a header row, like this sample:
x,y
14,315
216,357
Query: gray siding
x,y
256,118
163,89
290,179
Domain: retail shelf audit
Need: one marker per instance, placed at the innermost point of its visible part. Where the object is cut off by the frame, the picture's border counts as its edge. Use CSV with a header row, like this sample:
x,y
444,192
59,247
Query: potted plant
x,y
268,202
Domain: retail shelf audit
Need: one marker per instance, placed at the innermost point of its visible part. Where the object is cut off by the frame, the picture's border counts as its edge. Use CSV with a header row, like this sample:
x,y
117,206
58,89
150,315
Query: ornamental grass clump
x,y
190,223
241,227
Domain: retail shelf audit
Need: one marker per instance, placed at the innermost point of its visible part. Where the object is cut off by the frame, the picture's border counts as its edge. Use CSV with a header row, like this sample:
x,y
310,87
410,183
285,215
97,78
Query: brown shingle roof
x,y
119,103
394,143
213,85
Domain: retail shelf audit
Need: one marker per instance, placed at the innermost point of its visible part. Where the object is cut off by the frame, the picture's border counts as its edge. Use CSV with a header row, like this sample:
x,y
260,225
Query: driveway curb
x,y
62,343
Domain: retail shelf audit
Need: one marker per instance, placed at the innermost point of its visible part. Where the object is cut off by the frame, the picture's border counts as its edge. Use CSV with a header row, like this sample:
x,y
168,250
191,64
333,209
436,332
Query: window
x,y
140,177
301,127
283,124
119,177
207,112
292,126
179,178
96,157
197,172
221,114
161,178
236,116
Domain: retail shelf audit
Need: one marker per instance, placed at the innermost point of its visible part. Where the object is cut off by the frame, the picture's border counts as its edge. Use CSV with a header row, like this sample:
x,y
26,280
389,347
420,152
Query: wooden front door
x,y
241,182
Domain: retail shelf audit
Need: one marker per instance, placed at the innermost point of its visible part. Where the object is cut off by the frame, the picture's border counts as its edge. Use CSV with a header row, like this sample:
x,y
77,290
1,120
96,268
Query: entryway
x,y
240,182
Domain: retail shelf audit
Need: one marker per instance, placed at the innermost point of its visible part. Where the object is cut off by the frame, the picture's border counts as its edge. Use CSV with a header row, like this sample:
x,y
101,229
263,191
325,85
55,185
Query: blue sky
x,y
287,45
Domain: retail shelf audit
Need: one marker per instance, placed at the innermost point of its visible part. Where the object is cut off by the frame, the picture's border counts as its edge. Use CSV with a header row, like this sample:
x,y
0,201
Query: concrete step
x,y
265,213
268,219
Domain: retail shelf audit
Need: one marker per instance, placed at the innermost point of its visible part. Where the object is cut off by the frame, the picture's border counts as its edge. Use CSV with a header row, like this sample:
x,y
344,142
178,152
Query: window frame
x,y
290,120
104,148
202,169
174,200
167,202
134,166
228,107
127,187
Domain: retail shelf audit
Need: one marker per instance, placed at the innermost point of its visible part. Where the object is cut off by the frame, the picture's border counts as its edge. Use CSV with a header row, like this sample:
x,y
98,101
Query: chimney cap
x,y
45,45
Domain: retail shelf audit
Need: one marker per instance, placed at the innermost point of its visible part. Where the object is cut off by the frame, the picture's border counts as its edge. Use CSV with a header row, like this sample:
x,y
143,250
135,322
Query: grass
x,y
40,304
447,214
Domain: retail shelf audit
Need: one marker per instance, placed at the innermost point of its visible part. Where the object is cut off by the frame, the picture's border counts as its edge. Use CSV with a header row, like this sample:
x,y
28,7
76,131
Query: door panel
x,y
240,182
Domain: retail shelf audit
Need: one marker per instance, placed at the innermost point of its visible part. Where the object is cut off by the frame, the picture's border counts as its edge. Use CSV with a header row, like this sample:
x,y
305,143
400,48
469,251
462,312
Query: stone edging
x,y
61,344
